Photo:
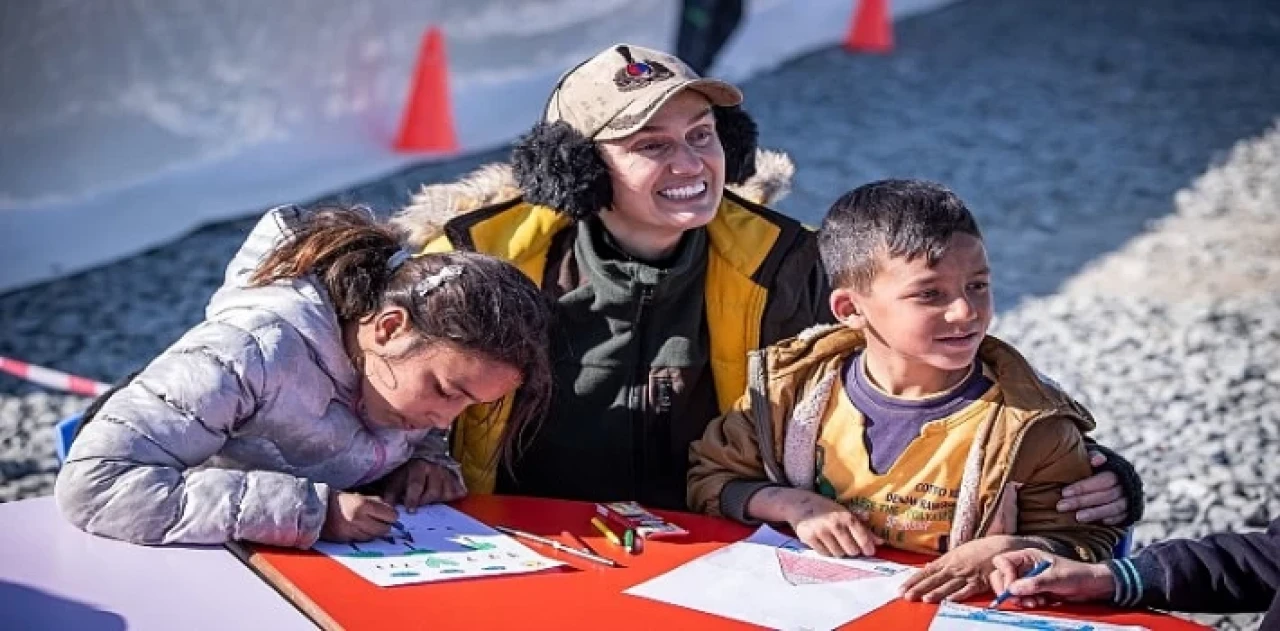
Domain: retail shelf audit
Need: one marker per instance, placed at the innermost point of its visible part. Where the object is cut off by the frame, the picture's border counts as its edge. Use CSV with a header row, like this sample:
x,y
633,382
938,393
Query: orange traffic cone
x,y
871,30
427,124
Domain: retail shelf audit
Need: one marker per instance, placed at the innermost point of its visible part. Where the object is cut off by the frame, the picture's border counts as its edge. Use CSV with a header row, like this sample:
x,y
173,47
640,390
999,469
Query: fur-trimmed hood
x,y
434,205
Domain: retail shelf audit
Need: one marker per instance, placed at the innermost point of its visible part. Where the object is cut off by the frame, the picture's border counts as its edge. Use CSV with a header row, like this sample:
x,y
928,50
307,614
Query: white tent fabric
x,y
127,123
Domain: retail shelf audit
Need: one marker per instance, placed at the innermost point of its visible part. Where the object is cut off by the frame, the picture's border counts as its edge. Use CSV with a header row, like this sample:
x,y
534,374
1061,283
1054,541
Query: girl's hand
x,y
355,517
831,529
419,482
961,573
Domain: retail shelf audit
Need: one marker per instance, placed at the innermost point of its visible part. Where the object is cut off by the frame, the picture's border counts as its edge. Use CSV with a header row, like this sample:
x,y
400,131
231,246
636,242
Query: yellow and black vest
x,y
764,282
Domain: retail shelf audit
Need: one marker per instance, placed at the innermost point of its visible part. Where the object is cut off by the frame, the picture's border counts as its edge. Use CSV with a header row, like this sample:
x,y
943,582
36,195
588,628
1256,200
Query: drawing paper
x,y
438,544
775,581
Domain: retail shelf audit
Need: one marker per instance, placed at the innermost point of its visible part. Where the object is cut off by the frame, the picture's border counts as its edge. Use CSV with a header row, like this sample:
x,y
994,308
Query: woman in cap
x,y
637,204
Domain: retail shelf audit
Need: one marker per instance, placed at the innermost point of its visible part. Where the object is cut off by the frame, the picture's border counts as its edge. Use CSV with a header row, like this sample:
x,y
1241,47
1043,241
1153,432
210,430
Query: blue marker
x,y
404,532
1035,571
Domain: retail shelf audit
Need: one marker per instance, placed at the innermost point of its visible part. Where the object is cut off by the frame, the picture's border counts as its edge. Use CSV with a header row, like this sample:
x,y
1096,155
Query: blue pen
x,y
404,532
1035,571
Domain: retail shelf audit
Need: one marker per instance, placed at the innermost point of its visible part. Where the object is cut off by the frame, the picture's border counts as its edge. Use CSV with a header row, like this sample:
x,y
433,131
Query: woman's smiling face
x,y
668,177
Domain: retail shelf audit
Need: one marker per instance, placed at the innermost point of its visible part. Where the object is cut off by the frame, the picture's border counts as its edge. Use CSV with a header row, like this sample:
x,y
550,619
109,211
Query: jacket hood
x,y
429,209
300,302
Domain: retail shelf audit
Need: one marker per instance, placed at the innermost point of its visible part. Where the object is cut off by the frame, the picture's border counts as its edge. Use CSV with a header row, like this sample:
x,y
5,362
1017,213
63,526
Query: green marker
x,y
629,541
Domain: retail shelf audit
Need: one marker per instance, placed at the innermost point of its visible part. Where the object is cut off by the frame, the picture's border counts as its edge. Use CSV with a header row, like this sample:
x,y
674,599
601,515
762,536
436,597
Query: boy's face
x,y
923,320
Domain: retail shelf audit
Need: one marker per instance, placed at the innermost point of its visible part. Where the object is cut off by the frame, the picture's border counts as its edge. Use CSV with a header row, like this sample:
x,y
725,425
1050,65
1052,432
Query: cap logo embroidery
x,y
638,74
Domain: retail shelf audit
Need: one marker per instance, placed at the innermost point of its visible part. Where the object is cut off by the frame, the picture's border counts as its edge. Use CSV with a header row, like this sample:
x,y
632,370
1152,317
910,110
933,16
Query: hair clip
x,y
398,259
432,282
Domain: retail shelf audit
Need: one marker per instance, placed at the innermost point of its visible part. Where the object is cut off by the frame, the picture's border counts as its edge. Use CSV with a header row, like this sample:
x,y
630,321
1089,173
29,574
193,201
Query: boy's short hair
x,y
902,218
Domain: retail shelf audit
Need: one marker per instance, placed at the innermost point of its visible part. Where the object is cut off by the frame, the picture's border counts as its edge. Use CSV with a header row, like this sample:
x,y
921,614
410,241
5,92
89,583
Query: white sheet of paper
x,y
775,581
443,544
955,617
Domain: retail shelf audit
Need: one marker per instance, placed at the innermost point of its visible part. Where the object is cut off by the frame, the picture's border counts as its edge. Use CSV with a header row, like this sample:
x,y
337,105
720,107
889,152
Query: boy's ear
x,y
845,305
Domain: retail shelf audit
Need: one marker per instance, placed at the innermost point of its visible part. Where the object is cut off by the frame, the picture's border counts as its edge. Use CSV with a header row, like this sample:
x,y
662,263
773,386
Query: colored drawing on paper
x,y
439,562
800,569
801,565
774,581
471,544
954,617
411,549
436,543
355,551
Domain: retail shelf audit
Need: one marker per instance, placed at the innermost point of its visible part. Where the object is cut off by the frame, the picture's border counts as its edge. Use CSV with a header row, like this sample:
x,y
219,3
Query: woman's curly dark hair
x,y
556,166
738,135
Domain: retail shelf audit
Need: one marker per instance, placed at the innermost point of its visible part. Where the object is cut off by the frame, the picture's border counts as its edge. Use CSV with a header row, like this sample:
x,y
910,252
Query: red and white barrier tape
x,y
52,378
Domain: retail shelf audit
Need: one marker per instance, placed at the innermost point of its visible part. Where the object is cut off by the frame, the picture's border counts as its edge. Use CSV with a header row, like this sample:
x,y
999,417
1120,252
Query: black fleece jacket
x,y
1222,573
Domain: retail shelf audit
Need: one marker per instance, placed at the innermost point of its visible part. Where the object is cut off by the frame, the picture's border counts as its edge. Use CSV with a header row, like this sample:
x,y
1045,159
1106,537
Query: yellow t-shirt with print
x,y
912,504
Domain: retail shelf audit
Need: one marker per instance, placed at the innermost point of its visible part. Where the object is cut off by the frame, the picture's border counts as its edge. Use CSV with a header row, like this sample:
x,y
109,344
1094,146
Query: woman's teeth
x,y
684,192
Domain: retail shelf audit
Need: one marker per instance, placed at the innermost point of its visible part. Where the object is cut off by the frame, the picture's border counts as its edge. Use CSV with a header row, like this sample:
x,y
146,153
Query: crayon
x,y
604,530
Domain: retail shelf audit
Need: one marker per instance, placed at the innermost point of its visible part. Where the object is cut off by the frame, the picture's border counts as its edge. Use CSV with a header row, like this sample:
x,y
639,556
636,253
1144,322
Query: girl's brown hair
x,y
491,308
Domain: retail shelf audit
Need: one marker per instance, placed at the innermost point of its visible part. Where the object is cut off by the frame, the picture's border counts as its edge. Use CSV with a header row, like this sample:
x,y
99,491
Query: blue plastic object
x,y
64,433
1124,546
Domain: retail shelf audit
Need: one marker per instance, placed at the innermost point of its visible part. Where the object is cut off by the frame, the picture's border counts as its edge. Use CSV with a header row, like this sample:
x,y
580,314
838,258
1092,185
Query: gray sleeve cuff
x,y
314,512
734,498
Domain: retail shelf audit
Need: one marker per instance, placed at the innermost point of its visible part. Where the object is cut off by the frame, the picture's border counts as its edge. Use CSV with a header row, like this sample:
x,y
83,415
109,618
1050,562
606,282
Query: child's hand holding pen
x,y
356,517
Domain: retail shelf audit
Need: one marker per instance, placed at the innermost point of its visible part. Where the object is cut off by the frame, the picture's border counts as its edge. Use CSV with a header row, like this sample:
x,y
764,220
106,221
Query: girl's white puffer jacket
x,y
239,429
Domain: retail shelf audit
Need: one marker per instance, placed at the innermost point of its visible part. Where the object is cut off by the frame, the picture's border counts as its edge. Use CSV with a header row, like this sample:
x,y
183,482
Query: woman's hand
x,y
1098,497
961,573
419,482
356,517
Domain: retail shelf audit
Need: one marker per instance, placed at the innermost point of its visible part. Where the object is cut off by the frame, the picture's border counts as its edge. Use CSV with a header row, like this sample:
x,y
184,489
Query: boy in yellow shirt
x,y
904,424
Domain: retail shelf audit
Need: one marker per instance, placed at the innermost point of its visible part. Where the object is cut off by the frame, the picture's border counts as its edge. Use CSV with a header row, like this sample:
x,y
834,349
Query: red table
x,y
584,596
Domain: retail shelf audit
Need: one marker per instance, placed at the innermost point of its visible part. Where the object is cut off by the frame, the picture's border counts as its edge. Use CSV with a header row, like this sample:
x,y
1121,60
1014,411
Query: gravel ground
x,y
1134,248
1172,341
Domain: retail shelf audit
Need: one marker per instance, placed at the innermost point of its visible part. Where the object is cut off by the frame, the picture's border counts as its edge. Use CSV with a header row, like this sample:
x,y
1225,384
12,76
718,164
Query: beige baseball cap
x,y
616,92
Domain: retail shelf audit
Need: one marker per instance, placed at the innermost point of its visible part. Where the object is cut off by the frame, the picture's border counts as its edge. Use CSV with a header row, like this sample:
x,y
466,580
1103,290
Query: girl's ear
x,y
558,167
389,324
738,135
845,306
